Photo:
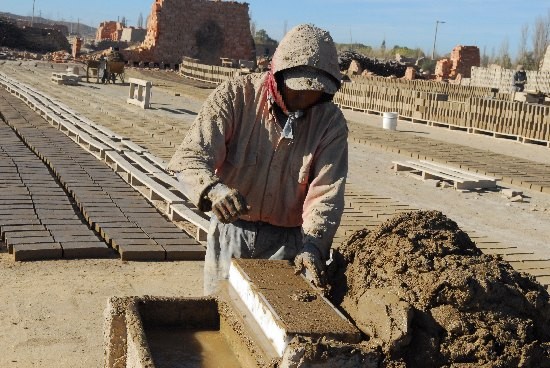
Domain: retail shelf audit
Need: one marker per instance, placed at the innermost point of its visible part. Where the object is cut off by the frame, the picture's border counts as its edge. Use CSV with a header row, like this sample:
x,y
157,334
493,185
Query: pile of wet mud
x,y
425,296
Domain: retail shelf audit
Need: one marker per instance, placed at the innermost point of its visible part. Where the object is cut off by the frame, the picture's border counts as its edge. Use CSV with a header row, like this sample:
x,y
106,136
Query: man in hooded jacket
x,y
267,154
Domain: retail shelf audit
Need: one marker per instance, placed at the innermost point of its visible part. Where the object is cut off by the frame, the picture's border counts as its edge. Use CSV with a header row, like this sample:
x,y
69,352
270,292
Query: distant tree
x,y
383,48
407,52
522,47
261,36
484,58
503,58
427,64
357,47
140,21
541,38
252,28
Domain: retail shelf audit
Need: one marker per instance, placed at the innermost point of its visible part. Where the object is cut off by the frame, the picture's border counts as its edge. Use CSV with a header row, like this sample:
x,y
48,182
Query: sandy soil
x,y
487,213
51,314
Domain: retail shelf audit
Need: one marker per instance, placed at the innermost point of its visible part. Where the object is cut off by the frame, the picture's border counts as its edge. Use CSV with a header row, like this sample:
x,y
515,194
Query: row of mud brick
x,y
509,170
502,79
101,201
207,73
481,108
516,118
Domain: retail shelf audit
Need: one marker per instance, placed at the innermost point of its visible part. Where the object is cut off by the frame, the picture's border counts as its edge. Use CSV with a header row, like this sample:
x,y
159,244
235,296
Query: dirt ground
x,y
51,314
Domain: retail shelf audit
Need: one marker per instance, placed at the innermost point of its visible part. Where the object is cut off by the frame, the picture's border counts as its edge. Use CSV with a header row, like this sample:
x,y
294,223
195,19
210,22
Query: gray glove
x,y
310,260
227,204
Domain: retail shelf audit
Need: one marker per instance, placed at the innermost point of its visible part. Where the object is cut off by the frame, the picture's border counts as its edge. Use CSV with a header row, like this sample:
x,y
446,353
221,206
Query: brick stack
x,y
443,69
463,58
206,30
410,73
545,67
77,45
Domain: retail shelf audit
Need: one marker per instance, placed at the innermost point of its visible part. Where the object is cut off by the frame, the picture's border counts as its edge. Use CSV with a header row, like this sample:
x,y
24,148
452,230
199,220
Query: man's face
x,y
300,100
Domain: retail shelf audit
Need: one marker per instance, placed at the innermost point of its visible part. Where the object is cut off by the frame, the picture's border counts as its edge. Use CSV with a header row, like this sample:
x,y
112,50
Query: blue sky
x,y
485,23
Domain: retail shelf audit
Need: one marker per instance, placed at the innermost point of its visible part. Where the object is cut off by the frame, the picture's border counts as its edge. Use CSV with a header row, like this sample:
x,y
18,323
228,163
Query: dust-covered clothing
x,y
520,79
236,139
243,239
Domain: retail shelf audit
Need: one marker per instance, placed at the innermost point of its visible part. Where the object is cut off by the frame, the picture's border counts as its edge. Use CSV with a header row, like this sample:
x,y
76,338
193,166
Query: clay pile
x,y
425,296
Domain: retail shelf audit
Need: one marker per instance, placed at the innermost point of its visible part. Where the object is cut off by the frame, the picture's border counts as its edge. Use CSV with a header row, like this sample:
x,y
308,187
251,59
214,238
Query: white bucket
x,y
389,120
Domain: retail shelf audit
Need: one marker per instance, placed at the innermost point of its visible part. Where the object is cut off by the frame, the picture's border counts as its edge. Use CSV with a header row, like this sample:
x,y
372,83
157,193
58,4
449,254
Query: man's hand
x,y
310,260
227,204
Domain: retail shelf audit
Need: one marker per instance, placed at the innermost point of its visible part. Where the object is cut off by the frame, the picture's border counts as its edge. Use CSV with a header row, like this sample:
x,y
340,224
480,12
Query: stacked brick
x,y
496,77
205,30
443,69
545,67
463,58
77,46
410,73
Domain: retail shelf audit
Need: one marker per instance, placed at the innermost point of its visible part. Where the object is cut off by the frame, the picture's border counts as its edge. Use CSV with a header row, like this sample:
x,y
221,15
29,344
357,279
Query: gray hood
x,y
308,46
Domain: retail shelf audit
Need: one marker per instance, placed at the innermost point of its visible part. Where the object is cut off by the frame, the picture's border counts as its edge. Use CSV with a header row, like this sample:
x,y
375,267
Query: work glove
x,y
310,261
227,203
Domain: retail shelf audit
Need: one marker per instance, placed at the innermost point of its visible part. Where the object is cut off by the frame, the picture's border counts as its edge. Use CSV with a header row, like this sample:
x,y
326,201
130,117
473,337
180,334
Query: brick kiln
x,y
201,29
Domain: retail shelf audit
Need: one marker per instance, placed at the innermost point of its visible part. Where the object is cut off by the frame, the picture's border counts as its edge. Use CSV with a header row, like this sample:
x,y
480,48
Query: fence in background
x,y
475,109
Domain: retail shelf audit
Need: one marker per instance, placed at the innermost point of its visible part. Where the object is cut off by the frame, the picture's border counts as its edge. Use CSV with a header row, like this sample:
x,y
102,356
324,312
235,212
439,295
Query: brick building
x,y
200,29
109,30
132,34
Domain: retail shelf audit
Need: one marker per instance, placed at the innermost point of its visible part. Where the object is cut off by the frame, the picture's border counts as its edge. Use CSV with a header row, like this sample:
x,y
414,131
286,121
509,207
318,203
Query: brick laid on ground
x,y
107,202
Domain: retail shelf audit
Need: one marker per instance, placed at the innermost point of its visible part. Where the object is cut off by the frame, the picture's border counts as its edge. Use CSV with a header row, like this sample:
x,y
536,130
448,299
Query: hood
x,y
307,46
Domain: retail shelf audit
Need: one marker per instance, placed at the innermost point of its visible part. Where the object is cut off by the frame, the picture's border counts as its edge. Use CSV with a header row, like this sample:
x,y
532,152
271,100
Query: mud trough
x,y
249,323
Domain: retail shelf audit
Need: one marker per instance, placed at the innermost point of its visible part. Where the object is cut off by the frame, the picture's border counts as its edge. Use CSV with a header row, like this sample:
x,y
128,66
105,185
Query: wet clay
x,y
301,311
181,348
418,287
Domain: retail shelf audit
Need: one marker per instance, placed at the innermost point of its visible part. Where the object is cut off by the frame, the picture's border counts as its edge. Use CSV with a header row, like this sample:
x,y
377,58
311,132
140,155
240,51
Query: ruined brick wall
x,y
106,29
201,29
463,58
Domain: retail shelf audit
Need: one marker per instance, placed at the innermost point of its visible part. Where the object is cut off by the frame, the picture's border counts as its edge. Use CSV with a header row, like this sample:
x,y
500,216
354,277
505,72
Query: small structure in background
x,y
462,59
77,46
140,93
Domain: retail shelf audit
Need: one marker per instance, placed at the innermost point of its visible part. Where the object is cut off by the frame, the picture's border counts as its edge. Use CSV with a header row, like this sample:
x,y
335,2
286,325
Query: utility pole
x,y
435,37
32,20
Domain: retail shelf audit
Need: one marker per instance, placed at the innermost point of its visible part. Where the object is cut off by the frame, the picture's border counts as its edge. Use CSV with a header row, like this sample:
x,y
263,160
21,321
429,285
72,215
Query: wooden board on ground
x,y
460,179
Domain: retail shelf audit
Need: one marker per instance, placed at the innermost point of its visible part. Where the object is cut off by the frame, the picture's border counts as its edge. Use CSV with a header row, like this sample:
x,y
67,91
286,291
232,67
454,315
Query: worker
x,y
267,154
102,70
520,79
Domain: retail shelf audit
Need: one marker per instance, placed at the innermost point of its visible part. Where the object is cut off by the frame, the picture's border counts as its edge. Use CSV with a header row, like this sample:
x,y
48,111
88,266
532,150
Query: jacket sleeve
x,y
203,149
324,203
